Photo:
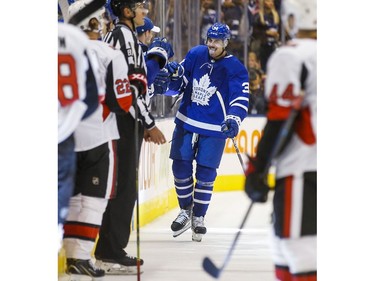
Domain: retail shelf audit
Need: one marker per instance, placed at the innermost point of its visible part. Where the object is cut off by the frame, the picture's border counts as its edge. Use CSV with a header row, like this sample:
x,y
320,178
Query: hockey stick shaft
x,y
270,168
210,267
282,135
269,173
137,148
238,154
235,147
237,151
226,128
178,137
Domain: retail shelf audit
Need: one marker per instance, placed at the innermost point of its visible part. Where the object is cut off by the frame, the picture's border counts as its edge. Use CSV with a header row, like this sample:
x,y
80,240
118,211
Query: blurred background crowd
x,y
257,30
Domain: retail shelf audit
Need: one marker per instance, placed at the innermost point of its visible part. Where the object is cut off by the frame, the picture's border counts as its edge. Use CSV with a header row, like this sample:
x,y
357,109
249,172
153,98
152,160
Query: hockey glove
x,y
230,126
161,82
175,70
158,54
255,186
138,83
162,43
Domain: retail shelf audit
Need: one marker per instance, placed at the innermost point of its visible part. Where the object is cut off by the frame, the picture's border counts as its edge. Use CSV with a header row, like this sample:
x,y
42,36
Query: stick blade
x,y
210,268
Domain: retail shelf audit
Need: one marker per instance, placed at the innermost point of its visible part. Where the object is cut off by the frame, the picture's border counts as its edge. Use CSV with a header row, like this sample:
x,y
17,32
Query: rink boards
x,y
156,191
157,195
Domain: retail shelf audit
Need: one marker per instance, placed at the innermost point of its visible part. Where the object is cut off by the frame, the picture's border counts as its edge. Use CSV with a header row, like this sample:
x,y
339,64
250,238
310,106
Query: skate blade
x,y
179,232
197,237
117,269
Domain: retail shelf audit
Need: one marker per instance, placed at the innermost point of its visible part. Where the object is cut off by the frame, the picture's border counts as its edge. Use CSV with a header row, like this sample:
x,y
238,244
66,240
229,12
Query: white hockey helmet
x,y
85,24
304,11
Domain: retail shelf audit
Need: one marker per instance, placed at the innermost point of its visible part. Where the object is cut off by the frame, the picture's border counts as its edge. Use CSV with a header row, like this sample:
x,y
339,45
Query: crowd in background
x,y
256,27
256,32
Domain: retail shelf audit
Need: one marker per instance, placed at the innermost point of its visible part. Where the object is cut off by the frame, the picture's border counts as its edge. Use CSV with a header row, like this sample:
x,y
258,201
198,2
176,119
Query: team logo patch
x,y
202,91
95,180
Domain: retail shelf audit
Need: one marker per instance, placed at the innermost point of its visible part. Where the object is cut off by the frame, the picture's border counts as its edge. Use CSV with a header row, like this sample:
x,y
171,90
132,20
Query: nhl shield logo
x,y
95,180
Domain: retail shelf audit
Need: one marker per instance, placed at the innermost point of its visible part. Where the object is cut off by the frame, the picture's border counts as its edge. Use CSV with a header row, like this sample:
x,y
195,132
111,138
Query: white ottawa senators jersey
x,y
101,126
283,91
73,65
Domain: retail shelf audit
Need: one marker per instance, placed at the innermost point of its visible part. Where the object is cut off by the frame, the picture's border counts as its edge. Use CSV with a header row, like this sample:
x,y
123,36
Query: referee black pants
x,y
116,225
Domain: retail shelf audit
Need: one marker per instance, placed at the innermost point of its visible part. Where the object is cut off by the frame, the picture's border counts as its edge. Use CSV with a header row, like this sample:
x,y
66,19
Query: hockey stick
x,y
136,139
86,11
137,205
270,168
226,128
210,267
238,154
234,144
237,151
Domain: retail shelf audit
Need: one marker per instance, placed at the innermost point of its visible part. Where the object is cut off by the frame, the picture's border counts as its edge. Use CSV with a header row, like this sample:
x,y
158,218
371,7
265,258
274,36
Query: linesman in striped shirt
x,y
115,230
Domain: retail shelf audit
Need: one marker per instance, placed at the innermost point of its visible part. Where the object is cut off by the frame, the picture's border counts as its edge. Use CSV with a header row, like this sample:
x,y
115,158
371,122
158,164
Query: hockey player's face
x,y
215,47
149,37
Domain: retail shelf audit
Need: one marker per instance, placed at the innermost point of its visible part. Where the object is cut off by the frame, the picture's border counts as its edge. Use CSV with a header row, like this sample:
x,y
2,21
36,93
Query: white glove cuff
x,y
235,118
160,52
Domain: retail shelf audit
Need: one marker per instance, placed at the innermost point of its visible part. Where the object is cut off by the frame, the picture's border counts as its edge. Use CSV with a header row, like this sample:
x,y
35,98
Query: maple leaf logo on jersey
x,y
202,91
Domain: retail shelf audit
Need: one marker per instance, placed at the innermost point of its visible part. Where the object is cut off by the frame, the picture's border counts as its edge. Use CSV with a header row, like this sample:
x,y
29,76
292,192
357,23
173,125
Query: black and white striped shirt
x,y
124,39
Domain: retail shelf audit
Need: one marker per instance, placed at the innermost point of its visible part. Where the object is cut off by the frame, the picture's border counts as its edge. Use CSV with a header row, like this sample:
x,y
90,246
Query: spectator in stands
x,y
253,60
266,29
257,101
232,11
252,9
208,18
290,27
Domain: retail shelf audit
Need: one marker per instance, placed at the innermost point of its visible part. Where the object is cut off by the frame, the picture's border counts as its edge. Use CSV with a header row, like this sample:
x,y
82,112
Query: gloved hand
x,y
175,70
255,186
158,54
162,43
161,82
230,126
138,83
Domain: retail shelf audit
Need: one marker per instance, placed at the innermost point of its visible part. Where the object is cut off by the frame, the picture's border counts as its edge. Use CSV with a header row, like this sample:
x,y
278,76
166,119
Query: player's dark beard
x,y
224,51
220,55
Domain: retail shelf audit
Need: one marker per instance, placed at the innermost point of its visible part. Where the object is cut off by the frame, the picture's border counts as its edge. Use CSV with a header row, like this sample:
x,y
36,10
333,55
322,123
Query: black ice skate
x,y
80,269
127,265
182,222
198,228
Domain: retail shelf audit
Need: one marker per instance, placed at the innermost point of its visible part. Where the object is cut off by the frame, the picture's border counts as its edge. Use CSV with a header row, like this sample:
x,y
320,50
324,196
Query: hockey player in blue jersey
x,y
215,100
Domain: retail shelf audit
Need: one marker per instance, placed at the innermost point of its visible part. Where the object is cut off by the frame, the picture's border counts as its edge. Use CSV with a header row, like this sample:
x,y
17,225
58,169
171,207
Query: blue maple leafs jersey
x,y
212,89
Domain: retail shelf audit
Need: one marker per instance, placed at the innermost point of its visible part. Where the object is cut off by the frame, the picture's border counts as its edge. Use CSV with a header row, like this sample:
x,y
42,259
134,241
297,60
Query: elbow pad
x,y
160,54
